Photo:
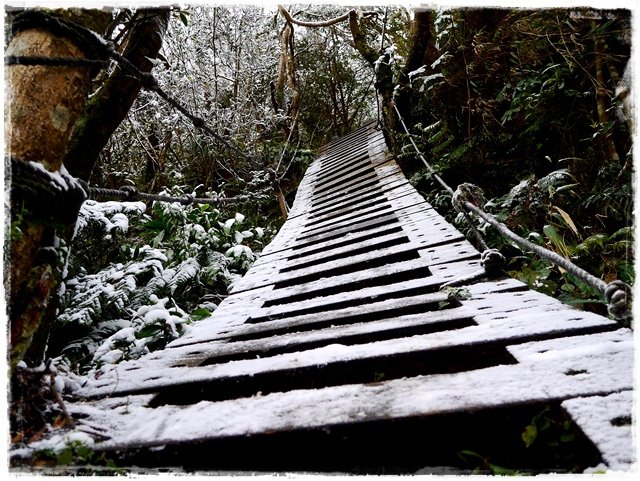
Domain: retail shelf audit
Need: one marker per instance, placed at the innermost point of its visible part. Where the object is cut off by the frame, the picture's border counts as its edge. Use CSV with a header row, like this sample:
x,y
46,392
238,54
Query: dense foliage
x,y
222,64
513,104
171,268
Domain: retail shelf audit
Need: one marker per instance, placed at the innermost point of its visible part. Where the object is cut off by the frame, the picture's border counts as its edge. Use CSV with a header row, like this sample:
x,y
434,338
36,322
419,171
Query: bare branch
x,y
325,23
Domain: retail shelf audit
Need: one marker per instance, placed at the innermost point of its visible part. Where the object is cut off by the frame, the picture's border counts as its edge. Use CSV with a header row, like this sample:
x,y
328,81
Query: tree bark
x,y
46,123
286,70
109,106
40,110
383,74
421,52
602,100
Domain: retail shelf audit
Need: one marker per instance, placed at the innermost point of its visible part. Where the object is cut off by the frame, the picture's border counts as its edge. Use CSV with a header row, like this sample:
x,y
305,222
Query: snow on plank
x,y
384,275
607,421
138,425
495,330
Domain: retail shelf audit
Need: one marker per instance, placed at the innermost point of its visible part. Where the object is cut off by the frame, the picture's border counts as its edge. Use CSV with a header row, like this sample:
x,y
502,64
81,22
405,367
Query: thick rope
x,y
547,254
434,174
130,194
33,184
91,44
55,61
42,194
467,197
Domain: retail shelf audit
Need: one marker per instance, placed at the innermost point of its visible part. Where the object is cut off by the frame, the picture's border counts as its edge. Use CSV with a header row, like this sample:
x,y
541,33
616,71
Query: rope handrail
x,y
616,293
129,193
30,179
33,60
446,186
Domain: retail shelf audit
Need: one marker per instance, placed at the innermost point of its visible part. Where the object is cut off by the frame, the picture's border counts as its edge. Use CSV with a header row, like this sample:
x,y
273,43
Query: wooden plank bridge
x,y
338,352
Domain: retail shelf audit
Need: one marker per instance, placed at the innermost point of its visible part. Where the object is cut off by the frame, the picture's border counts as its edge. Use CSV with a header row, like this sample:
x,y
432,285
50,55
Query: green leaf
x,y
591,244
543,423
556,239
456,293
567,438
84,452
467,452
65,457
184,18
154,224
200,314
501,471
158,239
148,331
529,435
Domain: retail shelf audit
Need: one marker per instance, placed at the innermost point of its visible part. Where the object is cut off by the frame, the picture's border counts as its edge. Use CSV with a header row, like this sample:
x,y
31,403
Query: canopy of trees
x,y
532,106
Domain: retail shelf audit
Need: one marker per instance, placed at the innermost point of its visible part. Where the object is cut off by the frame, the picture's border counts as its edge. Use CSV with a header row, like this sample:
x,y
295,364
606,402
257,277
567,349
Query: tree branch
x,y
325,23
109,106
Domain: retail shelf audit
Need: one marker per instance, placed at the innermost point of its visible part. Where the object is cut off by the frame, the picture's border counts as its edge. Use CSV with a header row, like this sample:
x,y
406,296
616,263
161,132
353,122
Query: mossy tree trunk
x,y
49,122
40,110
421,52
110,105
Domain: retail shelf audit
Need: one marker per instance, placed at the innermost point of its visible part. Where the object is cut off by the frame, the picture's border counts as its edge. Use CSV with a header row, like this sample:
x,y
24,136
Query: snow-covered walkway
x,y
339,336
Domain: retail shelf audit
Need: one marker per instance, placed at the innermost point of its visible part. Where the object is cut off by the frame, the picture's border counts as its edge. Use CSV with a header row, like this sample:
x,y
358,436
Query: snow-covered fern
x,y
138,278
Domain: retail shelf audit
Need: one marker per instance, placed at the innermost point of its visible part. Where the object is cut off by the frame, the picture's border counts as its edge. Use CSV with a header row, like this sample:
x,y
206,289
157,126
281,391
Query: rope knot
x,y
187,200
492,261
85,186
468,193
131,193
148,81
618,297
109,49
198,122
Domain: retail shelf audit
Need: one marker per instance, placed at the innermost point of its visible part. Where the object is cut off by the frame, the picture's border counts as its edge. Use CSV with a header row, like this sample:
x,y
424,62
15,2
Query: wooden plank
x,y
607,421
493,329
323,186
342,169
225,320
345,208
137,425
440,338
267,274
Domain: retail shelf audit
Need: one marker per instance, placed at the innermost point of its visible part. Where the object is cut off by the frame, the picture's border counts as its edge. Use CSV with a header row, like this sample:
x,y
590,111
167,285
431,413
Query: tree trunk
x,y
384,76
602,101
109,106
46,122
421,52
40,110
287,70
